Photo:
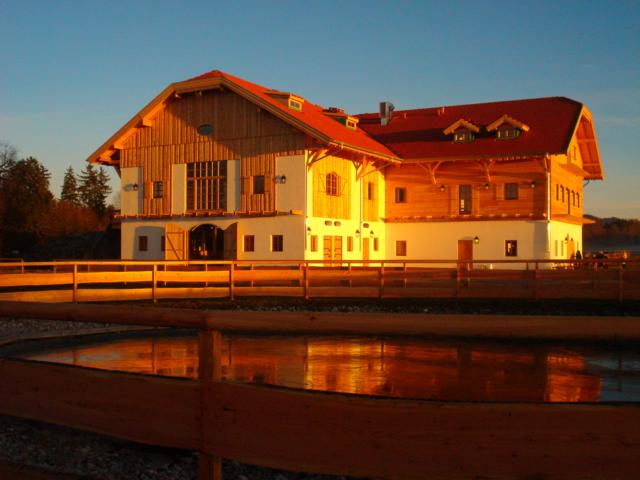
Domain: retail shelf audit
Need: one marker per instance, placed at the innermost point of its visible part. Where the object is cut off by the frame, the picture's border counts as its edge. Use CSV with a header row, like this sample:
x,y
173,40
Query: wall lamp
x,y
476,239
135,187
442,188
282,179
533,185
357,233
371,233
486,186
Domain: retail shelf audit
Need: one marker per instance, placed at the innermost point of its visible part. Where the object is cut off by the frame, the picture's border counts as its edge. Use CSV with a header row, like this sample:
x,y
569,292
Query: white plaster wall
x,y
439,240
130,200
290,226
179,190
560,232
291,195
233,185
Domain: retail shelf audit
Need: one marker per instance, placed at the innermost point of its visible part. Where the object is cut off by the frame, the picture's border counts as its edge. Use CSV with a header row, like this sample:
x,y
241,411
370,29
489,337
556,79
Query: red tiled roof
x,y
414,134
311,115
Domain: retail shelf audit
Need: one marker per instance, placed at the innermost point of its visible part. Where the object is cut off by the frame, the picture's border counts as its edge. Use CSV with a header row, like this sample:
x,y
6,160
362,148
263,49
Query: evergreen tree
x,y
26,198
94,189
70,187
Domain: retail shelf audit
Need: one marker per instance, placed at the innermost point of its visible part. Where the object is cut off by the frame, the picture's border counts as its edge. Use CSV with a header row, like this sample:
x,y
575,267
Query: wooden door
x,y
231,242
337,248
175,242
365,249
465,253
332,247
326,247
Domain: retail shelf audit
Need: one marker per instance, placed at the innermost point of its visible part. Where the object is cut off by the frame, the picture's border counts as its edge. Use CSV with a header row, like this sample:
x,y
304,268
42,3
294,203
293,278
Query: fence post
x,y
75,283
536,283
381,280
209,371
306,280
231,268
154,282
621,284
458,280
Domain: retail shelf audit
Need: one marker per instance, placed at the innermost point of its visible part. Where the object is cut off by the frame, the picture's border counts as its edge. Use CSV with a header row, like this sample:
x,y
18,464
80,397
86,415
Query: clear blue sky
x,y
74,72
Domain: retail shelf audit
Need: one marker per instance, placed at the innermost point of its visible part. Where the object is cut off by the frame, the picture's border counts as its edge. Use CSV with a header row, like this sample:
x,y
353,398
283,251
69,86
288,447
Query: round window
x,y
205,129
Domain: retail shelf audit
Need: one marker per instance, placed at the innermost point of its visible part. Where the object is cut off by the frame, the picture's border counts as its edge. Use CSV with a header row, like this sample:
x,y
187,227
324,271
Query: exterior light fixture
x,y
357,233
533,185
371,233
442,188
135,187
476,239
308,229
486,186
282,179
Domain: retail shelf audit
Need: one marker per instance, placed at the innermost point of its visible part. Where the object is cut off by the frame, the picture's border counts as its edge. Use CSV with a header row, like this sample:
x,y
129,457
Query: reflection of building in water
x,y
396,367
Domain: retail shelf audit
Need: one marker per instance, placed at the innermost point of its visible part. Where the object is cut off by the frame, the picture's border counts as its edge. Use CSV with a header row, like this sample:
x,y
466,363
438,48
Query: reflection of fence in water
x,y
537,279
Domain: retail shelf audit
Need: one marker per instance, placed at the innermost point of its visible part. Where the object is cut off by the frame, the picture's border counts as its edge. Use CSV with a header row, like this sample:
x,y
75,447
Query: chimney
x,y
386,113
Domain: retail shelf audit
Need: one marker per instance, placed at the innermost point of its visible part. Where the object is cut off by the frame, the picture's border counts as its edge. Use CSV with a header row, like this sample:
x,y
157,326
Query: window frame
x,y
313,243
332,184
277,243
143,243
465,205
400,195
511,252
249,243
463,136
511,191
258,185
349,244
376,244
401,248
158,189
206,186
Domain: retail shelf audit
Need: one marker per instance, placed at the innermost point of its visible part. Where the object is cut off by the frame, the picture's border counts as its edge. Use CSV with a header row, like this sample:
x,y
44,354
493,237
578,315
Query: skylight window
x,y
507,133
295,105
463,136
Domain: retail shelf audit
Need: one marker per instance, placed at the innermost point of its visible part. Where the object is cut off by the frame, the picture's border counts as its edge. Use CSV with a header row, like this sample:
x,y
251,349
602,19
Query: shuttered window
x,y
464,199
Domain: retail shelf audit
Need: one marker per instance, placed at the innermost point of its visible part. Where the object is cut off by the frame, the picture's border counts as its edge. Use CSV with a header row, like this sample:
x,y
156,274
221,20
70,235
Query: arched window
x,y
333,184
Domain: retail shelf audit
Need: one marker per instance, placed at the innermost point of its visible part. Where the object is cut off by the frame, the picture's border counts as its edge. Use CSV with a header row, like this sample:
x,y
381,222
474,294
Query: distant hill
x,y
611,233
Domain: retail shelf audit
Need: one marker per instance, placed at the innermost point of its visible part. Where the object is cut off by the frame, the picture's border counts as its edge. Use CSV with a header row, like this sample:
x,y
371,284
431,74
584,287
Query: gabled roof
x,y
420,134
461,123
507,119
310,120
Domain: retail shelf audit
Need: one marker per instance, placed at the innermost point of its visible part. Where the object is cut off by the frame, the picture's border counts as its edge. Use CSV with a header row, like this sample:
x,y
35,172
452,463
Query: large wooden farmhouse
x,y
217,167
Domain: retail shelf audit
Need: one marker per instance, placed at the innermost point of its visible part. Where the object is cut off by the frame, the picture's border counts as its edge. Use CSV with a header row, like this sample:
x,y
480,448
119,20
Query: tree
x,y
25,197
8,157
94,189
70,188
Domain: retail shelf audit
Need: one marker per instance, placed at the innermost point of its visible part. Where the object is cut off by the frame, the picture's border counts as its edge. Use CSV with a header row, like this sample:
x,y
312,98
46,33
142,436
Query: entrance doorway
x,y
206,242
365,249
465,254
332,247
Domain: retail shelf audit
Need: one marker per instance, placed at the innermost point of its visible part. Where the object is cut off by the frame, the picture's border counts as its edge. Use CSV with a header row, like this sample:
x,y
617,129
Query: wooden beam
x,y
361,168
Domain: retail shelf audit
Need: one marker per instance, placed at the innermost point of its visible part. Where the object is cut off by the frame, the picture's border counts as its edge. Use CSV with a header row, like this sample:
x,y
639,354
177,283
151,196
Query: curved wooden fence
x,y
316,432
87,281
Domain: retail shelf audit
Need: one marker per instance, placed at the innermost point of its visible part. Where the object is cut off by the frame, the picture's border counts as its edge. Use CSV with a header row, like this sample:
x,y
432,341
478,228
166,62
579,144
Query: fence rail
x,y
87,281
314,432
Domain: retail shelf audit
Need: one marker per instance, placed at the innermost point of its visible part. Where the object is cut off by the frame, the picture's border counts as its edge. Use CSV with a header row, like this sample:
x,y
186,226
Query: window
x,y
277,243
370,190
258,185
314,243
511,191
205,129
351,124
465,199
249,243
207,185
577,199
376,244
158,189
401,195
507,133
332,184
557,192
511,248
295,105
562,193
143,243
401,248
556,248
463,136
349,244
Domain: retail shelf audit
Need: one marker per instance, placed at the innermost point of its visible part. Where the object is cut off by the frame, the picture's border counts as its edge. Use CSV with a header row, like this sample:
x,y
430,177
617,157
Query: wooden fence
x,y
86,281
316,432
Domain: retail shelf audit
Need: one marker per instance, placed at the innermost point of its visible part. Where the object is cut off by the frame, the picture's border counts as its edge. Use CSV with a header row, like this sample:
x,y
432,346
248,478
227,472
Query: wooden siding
x,y
562,177
424,199
370,206
241,130
332,206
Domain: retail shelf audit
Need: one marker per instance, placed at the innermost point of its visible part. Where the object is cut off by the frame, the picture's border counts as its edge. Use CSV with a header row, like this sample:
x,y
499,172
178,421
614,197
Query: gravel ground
x,y
91,456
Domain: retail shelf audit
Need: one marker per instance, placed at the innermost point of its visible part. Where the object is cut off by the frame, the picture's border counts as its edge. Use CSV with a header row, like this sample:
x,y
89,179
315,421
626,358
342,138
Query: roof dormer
x,y
507,127
294,102
463,131
339,115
